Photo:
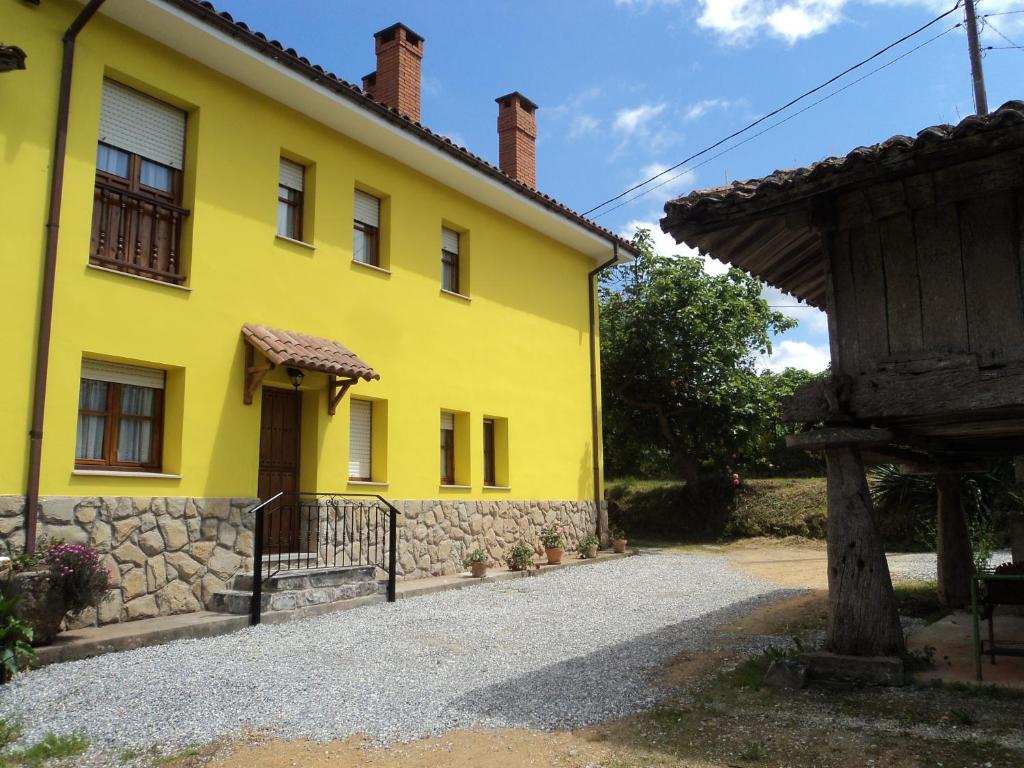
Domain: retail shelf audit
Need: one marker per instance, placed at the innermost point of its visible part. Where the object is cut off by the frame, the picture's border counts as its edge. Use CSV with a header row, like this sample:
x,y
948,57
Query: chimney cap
x,y
528,105
388,33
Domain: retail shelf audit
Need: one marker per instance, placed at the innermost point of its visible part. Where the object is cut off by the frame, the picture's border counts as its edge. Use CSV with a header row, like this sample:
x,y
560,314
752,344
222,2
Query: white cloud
x,y
797,354
665,245
636,119
582,125
739,21
669,185
701,108
810,318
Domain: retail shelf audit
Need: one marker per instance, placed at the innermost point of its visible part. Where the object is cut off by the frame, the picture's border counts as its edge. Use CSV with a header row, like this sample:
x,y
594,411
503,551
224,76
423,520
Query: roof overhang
x,y
231,55
11,58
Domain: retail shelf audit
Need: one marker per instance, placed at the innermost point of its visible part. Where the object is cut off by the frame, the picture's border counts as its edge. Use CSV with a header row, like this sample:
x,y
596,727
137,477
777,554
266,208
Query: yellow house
x,y
229,273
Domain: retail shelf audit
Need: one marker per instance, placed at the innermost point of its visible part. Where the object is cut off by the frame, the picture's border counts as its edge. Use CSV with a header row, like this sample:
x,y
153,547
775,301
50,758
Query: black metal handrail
x,y
296,530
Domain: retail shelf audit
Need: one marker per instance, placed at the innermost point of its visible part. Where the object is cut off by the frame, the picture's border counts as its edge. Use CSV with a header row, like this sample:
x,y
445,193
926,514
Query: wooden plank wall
x,y
938,278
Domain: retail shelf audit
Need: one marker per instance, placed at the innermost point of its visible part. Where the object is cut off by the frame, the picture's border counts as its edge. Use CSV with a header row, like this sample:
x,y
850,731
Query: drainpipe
x,y
60,143
602,516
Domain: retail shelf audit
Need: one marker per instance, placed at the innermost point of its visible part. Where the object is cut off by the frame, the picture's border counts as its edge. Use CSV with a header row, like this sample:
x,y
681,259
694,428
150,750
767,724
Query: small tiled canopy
x,y
308,353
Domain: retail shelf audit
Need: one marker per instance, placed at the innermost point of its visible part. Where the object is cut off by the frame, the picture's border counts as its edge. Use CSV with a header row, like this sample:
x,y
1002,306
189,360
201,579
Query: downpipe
x,y
60,142
595,426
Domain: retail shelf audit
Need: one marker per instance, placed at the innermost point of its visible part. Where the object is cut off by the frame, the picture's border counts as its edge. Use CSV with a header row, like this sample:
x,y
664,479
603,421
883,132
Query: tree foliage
x,y
679,350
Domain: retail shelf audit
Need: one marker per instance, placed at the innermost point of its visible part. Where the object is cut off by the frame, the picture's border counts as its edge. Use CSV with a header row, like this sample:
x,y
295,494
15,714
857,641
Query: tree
x,y
678,363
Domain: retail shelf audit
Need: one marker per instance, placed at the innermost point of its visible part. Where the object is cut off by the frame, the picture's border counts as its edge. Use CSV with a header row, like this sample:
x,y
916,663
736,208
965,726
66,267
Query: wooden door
x,y
280,431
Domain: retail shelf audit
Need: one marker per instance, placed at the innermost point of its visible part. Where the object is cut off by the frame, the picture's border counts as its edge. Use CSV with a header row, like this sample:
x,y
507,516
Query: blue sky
x,y
627,88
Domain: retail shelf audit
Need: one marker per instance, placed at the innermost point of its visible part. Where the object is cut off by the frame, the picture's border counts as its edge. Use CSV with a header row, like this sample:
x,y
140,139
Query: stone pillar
x,y
862,618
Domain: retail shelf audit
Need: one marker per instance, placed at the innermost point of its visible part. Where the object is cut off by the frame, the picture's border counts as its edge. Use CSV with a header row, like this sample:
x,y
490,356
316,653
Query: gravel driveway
x,y
570,648
920,566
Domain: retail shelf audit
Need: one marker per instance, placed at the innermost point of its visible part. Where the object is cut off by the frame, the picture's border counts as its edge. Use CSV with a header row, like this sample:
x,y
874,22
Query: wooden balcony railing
x,y
136,233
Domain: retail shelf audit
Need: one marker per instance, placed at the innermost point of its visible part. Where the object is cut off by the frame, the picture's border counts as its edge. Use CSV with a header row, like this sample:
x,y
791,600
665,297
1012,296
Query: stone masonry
x,y
169,555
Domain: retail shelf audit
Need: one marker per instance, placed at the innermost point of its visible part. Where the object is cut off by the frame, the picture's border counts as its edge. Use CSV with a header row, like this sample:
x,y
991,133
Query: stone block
x,y
174,531
72,534
142,504
219,509
156,573
59,510
208,529
133,584
224,563
151,543
12,506
245,544
210,586
786,674
176,598
109,610
185,567
863,670
141,608
86,511
110,564
202,550
129,553
226,535
147,522
119,508
192,526
123,528
10,524
175,507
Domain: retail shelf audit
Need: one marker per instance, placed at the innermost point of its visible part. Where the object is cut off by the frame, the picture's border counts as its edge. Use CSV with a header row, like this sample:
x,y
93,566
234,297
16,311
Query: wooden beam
x,y
253,374
336,389
831,437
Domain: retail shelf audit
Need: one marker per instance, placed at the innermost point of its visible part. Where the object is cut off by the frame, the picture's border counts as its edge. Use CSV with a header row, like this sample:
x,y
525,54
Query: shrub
x,y
520,557
478,555
552,536
584,544
76,573
15,640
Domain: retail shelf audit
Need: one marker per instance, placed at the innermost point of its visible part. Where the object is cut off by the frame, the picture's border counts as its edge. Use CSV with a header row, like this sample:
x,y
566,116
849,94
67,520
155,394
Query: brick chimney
x,y
396,81
517,137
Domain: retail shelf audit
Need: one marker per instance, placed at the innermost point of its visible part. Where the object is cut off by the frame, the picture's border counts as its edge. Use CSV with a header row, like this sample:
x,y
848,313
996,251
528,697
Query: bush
x,y
520,557
76,573
15,640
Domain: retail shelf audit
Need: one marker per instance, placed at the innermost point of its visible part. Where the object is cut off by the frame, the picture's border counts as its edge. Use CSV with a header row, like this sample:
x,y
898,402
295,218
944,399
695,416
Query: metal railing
x,y
136,233
304,531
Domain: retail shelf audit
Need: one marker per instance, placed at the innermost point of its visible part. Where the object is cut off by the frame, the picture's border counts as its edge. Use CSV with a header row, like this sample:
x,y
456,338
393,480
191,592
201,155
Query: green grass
x,y
52,747
10,732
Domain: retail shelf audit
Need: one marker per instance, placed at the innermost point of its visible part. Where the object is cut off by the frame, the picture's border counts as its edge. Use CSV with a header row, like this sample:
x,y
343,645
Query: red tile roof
x,y
310,353
275,51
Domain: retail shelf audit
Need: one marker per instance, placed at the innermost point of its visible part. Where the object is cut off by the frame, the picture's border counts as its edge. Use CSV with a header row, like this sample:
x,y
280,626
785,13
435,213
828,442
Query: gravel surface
x,y
567,649
921,566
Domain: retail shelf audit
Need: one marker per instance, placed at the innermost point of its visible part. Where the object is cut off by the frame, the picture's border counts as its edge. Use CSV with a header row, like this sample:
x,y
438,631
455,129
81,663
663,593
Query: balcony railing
x,y
136,233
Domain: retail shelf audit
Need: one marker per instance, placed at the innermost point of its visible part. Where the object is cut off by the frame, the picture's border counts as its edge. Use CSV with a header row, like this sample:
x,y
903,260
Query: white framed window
x,y
450,260
290,187
360,440
366,229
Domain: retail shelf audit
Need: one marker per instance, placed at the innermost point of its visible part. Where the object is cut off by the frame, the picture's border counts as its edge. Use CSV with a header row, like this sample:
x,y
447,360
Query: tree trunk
x,y
688,470
953,547
862,617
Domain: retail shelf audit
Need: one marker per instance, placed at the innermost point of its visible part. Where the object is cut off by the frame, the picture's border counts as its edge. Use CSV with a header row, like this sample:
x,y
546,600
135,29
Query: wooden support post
x,y
862,617
336,389
253,374
953,546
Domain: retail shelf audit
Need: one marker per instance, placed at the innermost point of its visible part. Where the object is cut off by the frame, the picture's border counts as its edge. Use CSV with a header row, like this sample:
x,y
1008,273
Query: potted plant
x,y
587,546
553,539
57,580
520,557
618,539
476,561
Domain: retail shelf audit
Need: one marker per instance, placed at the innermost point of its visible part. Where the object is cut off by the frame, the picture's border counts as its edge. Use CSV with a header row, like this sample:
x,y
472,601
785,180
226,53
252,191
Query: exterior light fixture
x,y
295,376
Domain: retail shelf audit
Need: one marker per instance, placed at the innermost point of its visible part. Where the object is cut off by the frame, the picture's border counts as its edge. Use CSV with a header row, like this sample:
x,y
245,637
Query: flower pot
x,y
619,545
554,555
38,604
591,552
478,569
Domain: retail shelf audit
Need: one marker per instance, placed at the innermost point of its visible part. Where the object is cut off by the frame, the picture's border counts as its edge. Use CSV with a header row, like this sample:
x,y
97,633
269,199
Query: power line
x,y
780,122
989,25
784,107
1001,13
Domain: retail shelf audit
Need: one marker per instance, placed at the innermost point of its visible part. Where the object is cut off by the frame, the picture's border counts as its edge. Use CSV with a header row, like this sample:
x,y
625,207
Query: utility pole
x,y
977,75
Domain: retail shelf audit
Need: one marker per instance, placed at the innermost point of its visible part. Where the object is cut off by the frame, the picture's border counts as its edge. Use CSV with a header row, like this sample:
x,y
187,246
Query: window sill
x,y
293,241
149,280
374,483
122,473
454,295
446,487
374,267
497,487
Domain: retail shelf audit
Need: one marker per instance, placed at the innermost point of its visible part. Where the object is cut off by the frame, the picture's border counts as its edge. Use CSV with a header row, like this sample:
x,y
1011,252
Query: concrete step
x,y
238,601
312,578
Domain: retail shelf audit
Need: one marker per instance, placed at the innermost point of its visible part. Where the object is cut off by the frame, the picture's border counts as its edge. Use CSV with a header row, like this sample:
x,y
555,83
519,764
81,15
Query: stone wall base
x,y
169,555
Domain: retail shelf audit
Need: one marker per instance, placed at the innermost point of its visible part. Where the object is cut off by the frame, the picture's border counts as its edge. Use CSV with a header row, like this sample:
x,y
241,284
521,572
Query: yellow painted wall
x,y
517,350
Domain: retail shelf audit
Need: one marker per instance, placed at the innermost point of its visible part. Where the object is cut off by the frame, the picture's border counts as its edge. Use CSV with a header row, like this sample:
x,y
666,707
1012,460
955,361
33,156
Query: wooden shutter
x,y
367,209
291,175
360,439
100,370
142,125
449,240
